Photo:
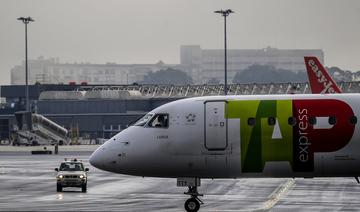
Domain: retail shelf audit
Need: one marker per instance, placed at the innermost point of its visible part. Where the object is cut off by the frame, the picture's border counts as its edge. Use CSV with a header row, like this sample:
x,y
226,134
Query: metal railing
x,y
233,89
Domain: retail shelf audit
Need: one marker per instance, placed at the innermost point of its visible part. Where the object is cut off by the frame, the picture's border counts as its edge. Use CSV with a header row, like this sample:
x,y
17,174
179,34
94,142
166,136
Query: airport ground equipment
x,y
36,129
71,173
43,151
28,138
74,135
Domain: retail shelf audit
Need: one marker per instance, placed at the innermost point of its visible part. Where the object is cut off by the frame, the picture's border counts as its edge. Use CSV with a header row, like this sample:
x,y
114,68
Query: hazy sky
x,y
146,31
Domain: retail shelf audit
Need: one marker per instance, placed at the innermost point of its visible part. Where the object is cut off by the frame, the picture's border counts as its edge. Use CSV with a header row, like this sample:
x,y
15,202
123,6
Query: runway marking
x,y
2,171
277,194
274,197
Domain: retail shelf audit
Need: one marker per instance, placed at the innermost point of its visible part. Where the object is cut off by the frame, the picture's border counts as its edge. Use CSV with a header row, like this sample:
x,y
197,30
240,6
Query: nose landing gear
x,y
193,203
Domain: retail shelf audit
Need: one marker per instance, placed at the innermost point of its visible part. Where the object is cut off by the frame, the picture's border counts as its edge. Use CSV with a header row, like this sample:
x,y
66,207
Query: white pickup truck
x,y
71,174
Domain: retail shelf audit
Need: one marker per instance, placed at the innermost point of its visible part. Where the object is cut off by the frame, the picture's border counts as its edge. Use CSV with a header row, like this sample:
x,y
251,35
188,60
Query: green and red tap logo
x,y
293,142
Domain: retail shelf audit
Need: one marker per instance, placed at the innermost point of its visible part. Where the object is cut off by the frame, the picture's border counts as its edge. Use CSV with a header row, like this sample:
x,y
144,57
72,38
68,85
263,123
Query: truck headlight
x,y
60,176
81,176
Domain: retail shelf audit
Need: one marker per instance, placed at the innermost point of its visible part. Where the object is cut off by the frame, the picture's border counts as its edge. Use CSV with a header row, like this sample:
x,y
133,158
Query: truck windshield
x,y
143,120
71,167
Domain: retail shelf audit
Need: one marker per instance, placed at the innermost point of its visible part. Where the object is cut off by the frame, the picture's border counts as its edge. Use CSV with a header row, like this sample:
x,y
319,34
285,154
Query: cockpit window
x,y
160,121
143,120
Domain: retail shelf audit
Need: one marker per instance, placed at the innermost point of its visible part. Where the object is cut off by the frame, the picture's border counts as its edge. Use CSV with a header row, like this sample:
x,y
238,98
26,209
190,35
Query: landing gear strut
x,y
193,203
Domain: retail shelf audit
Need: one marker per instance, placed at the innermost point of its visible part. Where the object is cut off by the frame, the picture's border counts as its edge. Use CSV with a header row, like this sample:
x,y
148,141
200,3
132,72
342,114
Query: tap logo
x,y
298,140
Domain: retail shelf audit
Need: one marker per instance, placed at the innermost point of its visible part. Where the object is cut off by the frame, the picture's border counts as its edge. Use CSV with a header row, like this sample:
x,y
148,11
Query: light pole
x,y
26,21
225,13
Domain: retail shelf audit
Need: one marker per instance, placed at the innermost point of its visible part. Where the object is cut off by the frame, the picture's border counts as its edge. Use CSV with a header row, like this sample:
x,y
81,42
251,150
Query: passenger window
x,y
312,120
160,121
291,121
332,120
251,121
271,121
353,120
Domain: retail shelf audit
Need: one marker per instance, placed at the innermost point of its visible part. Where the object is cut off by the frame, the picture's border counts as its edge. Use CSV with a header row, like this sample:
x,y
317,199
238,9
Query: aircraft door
x,y
216,126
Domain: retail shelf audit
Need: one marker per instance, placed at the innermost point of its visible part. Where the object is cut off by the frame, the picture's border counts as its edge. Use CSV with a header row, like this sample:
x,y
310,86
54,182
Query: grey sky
x,y
146,31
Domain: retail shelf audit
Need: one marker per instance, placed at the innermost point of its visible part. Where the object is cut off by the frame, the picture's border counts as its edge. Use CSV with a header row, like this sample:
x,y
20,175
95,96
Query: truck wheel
x,y
83,188
58,188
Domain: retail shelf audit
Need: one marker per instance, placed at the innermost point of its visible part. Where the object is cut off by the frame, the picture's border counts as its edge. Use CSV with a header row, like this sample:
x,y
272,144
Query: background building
x,y
51,71
205,65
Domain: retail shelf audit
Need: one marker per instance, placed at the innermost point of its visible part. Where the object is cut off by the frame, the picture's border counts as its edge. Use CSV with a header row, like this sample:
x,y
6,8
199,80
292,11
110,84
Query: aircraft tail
x,y
319,79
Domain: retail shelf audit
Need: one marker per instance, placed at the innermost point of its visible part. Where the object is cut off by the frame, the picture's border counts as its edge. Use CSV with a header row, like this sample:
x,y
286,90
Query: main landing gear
x,y
193,203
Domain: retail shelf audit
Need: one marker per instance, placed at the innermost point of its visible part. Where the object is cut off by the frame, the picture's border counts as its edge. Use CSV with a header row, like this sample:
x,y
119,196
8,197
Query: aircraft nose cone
x,y
95,159
103,157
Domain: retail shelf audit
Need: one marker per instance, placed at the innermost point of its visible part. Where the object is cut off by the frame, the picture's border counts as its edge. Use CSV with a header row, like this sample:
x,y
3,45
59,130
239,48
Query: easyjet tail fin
x,y
319,79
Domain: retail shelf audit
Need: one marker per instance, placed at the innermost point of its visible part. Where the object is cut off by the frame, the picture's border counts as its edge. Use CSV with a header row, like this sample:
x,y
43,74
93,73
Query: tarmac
x,y
27,183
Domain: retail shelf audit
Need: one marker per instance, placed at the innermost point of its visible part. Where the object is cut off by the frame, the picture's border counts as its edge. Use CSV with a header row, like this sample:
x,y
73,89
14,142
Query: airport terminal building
x,y
92,111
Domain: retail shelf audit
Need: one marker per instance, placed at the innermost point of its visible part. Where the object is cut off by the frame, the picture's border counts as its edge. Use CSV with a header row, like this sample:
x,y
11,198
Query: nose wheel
x,y
193,203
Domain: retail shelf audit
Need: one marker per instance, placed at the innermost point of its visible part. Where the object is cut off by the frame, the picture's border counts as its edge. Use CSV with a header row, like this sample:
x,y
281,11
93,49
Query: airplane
x,y
319,79
243,136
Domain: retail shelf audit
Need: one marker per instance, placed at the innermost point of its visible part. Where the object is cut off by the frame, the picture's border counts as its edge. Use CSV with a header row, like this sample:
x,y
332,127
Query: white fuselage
x,y
241,136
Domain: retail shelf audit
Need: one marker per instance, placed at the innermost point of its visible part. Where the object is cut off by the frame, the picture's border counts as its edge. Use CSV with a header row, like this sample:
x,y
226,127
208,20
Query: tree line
x,y
252,74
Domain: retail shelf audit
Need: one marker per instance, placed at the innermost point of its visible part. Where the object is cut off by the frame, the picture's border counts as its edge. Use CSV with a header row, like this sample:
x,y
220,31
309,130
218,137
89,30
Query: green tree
x,y
168,76
213,81
268,74
339,74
